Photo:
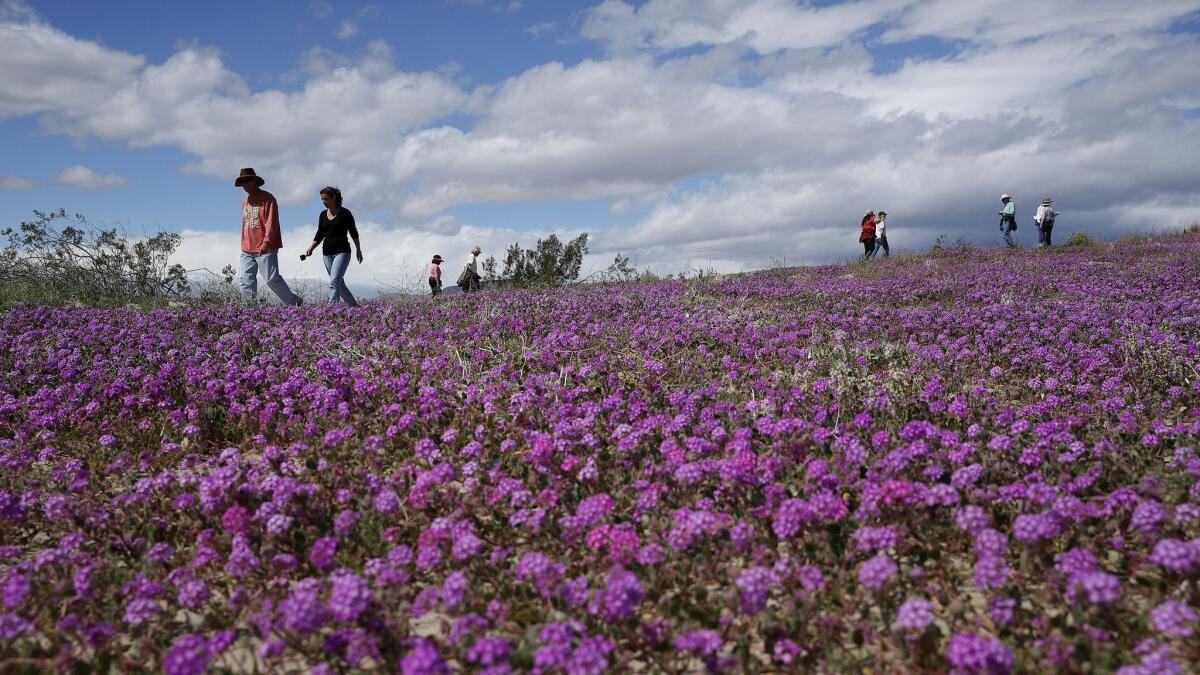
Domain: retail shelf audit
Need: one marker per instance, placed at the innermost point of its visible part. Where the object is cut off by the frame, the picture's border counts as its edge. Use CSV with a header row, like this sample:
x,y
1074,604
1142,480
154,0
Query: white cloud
x,y
347,29
46,70
18,11
540,29
82,177
762,25
15,183
778,106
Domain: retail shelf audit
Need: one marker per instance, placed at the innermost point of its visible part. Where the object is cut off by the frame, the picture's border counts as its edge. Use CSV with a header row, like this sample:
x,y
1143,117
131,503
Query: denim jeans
x,y
1007,225
881,243
338,291
248,278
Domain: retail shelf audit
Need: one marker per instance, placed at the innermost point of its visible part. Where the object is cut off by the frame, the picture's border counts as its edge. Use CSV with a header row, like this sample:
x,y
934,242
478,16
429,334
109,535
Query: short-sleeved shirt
x,y
435,271
334,232
1010,208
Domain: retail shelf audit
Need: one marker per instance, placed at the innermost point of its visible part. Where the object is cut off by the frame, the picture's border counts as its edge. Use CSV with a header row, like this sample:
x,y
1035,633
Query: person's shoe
x,y
300,301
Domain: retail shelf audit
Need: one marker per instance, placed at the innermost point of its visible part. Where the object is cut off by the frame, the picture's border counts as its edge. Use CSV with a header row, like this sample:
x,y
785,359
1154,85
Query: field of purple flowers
x,y
974,461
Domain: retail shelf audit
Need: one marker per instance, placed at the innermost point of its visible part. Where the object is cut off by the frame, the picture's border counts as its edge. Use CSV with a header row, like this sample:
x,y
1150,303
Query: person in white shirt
x,y
1045,220
469,279
881,235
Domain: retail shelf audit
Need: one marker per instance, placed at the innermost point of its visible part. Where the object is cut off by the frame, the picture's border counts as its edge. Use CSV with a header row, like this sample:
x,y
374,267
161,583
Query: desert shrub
x,y
61,259
1080,239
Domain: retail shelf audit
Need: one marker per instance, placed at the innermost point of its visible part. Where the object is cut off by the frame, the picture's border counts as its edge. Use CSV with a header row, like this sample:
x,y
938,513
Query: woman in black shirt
x,y
333,226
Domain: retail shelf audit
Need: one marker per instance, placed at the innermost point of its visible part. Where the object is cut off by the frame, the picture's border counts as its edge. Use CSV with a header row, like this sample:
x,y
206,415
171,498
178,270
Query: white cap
x,y
1005,196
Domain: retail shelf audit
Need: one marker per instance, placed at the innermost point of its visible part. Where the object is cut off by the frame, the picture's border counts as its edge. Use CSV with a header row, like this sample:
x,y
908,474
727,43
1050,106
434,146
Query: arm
x,y
352,228
319,236
270,213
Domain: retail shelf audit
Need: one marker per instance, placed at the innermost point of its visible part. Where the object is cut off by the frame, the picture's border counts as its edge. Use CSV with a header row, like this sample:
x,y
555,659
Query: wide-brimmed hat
x,y
437,258
247,174
1005,196
1047,201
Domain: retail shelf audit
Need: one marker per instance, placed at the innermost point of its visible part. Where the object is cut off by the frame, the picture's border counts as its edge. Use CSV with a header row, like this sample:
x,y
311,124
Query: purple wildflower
x,y
916,614
188,655
875,572
1173,617
969,653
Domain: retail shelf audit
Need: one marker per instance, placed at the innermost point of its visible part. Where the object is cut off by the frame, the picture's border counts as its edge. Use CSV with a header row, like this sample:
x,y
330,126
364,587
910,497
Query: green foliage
x,y
1080,239
57,259
549,263
621,269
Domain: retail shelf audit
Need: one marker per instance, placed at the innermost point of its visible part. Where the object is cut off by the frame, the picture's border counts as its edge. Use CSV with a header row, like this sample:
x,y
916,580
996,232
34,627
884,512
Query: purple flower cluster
x,y
999,447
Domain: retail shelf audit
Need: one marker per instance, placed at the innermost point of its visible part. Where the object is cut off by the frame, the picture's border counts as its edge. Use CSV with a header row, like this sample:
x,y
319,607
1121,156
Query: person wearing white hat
x,y
468,279
1008,219
1045,220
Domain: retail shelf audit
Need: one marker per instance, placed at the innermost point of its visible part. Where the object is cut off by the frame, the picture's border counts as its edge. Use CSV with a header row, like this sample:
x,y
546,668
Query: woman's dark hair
x,y
333,192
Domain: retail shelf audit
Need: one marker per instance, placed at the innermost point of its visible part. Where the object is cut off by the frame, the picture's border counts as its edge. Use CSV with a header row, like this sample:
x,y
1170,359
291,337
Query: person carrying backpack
x,y
1045,220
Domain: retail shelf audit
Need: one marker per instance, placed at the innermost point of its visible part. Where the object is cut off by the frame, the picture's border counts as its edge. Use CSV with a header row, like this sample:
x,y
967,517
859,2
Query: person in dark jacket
x,y
335,227
867,236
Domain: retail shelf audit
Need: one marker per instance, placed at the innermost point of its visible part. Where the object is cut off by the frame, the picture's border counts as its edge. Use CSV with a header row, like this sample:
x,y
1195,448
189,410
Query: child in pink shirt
x,y
435,275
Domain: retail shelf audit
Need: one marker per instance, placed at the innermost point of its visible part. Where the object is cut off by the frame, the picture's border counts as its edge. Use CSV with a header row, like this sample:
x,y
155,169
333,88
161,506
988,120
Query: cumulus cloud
x,y
15,183
722,133
82,177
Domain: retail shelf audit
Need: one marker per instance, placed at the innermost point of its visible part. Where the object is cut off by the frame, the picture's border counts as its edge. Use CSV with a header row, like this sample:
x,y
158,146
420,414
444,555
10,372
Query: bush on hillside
x,y
1080,239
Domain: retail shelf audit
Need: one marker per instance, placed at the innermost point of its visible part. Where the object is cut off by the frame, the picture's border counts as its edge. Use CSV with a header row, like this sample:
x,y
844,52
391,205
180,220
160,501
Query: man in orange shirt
x,y
261,240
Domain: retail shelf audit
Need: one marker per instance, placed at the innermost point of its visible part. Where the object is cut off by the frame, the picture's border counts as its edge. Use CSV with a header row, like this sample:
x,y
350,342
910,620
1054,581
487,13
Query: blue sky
x,y
723,134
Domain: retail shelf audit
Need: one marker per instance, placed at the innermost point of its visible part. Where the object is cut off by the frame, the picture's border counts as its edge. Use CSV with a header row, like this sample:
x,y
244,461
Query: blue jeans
x,y
248,277
338,291
1007,225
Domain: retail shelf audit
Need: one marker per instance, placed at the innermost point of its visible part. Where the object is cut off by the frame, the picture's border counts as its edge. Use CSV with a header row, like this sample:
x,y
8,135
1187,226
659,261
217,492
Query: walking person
x,y
1045,220
468,279
1008,219
261,240
881,235
335,227
435,275
867,234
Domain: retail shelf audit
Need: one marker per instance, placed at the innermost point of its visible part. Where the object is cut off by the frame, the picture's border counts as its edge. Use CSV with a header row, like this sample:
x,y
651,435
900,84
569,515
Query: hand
x,y
359,252
263,251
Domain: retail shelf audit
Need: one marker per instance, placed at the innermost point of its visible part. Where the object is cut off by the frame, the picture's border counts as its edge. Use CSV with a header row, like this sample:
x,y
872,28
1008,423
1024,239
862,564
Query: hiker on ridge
x,y
881,235
1045,220
1008,219
867,235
